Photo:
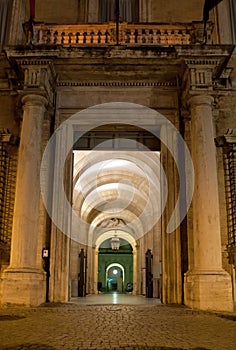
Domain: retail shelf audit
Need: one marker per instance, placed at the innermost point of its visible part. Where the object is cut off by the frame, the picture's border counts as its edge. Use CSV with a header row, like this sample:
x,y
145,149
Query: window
x,y
128,10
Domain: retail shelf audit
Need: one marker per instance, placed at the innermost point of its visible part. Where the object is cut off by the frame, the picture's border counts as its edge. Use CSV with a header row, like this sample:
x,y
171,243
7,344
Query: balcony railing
x,y
129,34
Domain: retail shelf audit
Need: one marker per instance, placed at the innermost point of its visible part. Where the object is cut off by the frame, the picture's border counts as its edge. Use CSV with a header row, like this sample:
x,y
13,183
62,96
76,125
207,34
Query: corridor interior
x,y
117,202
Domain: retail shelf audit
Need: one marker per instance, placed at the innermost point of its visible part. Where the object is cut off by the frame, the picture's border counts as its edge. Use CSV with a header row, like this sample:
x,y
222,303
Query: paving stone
x,y
104,327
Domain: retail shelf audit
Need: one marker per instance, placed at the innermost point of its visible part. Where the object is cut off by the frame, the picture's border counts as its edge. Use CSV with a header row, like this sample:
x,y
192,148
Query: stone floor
x,y
115,298
126,323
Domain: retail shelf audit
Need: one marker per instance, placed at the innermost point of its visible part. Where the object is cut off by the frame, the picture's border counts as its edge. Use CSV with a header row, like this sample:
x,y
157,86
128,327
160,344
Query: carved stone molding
x,y
224,83
7,137
227,140
230,136
113,222
205,69
199,74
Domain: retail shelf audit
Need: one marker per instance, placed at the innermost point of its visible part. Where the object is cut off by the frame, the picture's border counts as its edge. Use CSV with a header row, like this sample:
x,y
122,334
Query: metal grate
x,y
3,176
8,164
230,182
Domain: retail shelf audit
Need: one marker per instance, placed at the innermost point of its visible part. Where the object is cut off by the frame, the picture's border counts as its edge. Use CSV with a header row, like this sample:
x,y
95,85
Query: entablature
x,y
192,69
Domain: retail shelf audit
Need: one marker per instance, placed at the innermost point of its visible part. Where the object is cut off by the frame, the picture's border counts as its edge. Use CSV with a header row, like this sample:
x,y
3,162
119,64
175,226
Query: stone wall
x,y
161,10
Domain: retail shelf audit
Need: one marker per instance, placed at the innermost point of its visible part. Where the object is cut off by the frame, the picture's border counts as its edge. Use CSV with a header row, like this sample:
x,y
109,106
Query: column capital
x,y
31,100
39,77
199,100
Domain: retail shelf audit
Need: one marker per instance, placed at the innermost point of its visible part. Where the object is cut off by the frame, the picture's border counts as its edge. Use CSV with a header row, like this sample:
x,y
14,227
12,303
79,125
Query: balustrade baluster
x,y
132,37
170,37
63,38
41,36
55,38
66,39
80,38
155,37
48,37
108,38
106,34
150,37
102,37
96,38
177,37
70,38
139,37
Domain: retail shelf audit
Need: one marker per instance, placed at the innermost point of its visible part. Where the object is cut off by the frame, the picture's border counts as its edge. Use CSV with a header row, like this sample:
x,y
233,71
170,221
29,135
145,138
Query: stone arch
x,y
71,225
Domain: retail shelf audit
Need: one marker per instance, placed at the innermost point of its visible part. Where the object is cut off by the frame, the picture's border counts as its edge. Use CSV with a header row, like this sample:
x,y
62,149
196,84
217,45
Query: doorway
x,y
115,278
115,269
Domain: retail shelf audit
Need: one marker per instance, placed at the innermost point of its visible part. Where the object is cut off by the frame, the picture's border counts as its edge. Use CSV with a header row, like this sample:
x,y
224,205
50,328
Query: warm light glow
x,y
115,243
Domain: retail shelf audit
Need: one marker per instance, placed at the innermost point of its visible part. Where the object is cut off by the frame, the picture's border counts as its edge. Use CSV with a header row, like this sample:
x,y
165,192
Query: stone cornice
x,y
47,53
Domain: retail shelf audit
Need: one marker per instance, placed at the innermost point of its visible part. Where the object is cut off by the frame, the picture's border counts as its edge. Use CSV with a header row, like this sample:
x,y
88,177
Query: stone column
x,y
23,282
170,245
207,285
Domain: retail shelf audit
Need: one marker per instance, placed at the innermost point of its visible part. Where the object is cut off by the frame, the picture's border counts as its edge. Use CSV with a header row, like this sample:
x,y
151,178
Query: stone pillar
x,y
91,12
23,282
95,271
18,16
207,285
170,245
145,11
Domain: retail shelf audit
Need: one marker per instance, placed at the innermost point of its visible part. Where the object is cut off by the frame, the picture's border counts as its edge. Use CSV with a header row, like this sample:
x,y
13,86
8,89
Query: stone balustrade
x,y
105,34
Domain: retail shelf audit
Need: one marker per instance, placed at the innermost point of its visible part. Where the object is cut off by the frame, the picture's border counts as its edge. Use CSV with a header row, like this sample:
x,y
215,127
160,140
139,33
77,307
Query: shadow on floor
x,y
11,317
48,347
152,348
28,346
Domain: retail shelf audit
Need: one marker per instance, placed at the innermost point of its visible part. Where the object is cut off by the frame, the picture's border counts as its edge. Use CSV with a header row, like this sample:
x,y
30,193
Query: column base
x,y
23,287
208,290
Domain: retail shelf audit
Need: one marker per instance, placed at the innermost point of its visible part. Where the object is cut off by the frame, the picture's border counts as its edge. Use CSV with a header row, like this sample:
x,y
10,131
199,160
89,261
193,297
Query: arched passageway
x,y
120,175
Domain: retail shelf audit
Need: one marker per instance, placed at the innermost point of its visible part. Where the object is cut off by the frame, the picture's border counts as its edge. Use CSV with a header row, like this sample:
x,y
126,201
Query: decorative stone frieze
x,y
117,83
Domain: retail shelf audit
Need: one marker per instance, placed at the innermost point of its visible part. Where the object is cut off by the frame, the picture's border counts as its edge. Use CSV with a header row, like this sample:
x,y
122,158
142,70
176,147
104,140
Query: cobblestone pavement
x,y
126,327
